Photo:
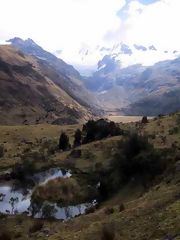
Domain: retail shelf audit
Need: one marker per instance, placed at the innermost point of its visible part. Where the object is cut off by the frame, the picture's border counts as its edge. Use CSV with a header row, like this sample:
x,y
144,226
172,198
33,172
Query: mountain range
x,y
86,58
137,89
37,87
70,80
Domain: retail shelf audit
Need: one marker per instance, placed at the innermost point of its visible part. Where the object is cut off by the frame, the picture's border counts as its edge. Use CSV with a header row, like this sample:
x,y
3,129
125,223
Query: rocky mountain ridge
x,y
70,80
31,93
150,88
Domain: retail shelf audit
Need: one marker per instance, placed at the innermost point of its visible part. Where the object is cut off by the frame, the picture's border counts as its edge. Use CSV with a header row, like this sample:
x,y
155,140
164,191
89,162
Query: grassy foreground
x,y
147,214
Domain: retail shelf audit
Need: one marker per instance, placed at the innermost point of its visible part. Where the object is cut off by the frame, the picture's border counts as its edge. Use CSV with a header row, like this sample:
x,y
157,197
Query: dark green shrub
x,y
29,166
20,171
77,138
133,145
144,120
1,151
63,142
105,188
36,205
137,157
89,130
48,211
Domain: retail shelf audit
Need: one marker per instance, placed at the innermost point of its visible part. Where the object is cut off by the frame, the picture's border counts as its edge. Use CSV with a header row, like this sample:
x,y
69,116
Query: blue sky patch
x,y
122,13
147,2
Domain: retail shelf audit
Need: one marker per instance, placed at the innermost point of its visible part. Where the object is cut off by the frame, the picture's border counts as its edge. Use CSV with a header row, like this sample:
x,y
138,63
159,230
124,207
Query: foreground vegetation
x,y
139,193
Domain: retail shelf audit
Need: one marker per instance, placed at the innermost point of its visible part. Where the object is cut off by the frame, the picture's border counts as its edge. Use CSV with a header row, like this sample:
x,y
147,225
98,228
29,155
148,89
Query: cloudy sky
x,y
69,25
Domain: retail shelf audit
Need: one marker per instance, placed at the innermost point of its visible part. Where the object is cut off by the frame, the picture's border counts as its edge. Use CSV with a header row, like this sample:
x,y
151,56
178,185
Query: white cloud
x,y
69,25
63,24
155,24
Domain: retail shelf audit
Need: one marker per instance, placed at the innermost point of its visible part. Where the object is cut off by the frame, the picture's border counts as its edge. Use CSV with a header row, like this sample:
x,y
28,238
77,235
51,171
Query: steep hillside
x,y
70,80
139,89
155,104
160,86
30,93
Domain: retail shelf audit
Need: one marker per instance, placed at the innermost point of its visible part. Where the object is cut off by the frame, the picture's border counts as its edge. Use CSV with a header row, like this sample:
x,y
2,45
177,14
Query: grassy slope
x,y
153,214
12,137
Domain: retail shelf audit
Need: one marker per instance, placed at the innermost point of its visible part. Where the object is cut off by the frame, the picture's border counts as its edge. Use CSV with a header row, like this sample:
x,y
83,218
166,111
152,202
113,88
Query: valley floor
x,y
125,119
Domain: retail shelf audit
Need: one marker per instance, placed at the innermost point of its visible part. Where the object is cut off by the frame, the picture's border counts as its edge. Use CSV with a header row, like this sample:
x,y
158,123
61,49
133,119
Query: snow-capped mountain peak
x,y
87,59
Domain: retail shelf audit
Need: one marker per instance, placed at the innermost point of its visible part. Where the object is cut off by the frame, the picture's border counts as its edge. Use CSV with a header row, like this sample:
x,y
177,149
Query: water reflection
x,y
15,198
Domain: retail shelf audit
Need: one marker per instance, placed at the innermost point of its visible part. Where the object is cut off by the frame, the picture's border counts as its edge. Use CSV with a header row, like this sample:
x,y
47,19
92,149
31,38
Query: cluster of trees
x,y
96,130
91,131
135,158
